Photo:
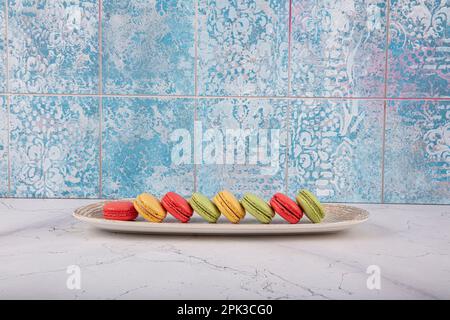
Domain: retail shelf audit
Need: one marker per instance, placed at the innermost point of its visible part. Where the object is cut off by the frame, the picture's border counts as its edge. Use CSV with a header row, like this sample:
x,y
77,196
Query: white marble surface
x,y
39,239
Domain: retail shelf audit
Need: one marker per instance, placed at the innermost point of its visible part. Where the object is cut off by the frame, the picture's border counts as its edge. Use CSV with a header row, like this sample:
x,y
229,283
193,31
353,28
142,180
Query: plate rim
x,y
145,227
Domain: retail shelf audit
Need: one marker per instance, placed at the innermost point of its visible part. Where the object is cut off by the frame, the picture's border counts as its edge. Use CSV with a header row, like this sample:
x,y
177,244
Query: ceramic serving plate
x,y
338,217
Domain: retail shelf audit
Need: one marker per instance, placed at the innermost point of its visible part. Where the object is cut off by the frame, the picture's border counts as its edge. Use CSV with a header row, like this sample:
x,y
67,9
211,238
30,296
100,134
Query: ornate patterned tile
x,y
2,47
3,147
243,47
336,149
419,50
53,46
54,147
147,146
338,48
243,146
148,47
417,157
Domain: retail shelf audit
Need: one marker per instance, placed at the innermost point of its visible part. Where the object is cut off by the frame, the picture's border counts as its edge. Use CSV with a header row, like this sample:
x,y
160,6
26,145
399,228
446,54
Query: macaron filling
x,y
288,209
177,210
313,203
311,206
234,214
227,207
145,212
204,207
264,216
177,206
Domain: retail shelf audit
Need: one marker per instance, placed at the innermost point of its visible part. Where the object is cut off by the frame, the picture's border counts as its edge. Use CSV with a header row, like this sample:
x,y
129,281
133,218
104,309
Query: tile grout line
x,y
330,202
8,97
385,104
386,49
289,48
8,140
288,144
288,110
100,98
195,87
196,49
383,146
149,96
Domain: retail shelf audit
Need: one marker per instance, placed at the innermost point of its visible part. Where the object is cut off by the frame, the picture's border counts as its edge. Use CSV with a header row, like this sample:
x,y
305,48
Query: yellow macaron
x,y
229,206
149,208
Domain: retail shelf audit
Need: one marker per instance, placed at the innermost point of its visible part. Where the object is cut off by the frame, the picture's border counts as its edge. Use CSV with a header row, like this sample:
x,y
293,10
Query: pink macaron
x,y
286,208
177,206
119,210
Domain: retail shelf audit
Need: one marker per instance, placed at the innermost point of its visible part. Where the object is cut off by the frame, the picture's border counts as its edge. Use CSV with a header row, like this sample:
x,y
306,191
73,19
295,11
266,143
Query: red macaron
x,y
286,208
119,210
177,206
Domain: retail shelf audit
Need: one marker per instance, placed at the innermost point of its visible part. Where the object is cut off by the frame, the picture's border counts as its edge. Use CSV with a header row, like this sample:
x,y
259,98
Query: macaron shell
x,y
150,208
227,212
229,206
143,212
286,208
311,197
119,210
177,206
120,216
258,208
233,203
204,207
311,206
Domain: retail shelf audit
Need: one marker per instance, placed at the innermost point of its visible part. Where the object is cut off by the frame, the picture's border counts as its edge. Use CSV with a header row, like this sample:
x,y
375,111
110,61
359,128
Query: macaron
x,y
177,206
229,206
204,207
258,208
149,208
119,210
311,206
287,208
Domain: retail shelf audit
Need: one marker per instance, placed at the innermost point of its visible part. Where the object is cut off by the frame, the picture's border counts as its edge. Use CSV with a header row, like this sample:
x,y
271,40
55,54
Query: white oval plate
x,y
338,217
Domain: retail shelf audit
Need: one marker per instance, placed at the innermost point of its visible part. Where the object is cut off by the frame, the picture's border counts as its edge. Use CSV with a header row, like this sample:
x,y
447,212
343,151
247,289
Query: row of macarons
x,y
223,203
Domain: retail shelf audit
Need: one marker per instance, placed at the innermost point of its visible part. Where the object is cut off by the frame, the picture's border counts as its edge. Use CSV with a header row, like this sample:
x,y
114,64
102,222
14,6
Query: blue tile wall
x,y
338,48
139,136
419,50
54,147
417,158
3,147
53,46
109,98
261,169
243,47
2,47
148,47
336,149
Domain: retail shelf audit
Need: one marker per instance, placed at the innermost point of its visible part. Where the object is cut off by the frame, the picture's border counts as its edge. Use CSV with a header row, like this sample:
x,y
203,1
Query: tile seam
x,y
8,141
385,103
8,97
386,53
100,98
288,110
149,96
328,202
195,89
383,147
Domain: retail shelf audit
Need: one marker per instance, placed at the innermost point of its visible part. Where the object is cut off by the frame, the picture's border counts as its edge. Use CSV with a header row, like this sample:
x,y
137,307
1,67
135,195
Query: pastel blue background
x,y
92,90
54,148
253,115
137,146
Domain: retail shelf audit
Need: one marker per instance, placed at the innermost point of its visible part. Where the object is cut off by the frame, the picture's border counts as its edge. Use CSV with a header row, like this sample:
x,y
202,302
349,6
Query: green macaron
x,y
258,208
311,206
204,207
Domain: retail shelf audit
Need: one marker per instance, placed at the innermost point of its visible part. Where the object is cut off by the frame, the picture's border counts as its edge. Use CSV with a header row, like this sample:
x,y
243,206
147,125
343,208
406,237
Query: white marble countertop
x,y
39,240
